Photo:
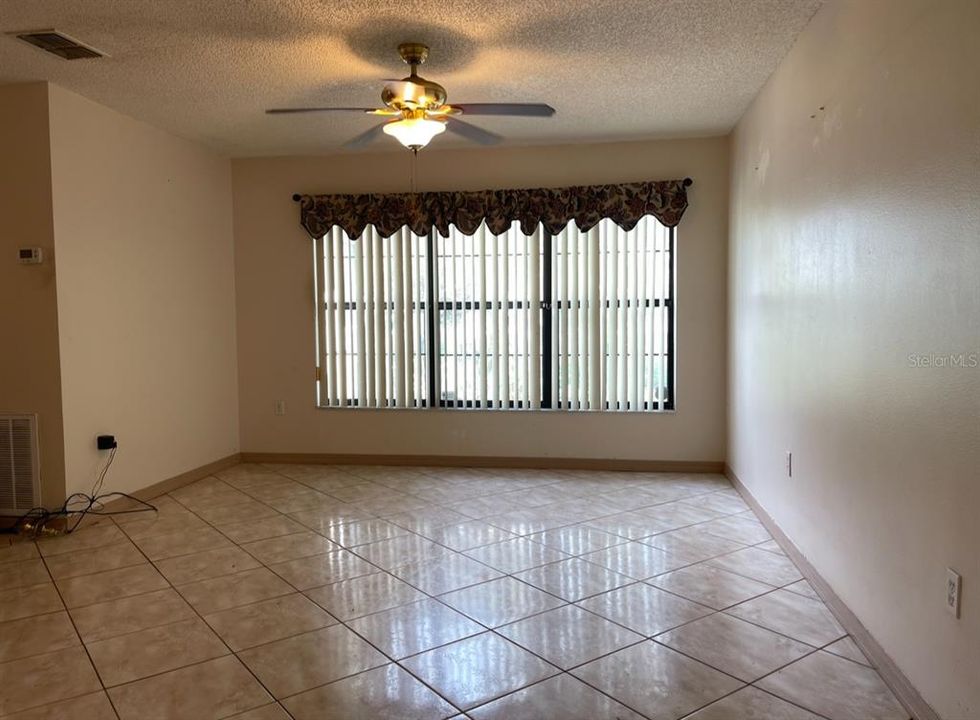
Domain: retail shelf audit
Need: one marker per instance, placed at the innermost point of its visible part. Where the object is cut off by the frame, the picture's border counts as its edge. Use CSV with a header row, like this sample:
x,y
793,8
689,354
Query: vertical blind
x,y
372,330
489,318
578,321
613,329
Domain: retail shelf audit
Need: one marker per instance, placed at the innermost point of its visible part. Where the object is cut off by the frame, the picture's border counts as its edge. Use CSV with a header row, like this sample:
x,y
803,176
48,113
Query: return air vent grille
x,y
59,44
19,467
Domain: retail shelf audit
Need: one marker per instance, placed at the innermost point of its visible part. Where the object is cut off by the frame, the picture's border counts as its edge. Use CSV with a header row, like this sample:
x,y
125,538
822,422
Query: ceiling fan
x,y
418,109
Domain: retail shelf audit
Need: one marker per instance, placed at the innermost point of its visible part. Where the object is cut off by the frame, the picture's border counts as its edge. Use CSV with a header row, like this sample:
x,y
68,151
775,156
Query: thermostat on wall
x,y
30,256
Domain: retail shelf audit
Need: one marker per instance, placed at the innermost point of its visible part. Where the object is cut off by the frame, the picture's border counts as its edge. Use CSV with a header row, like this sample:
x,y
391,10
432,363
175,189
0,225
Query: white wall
x,y
29,377
855,215
274,265
145,280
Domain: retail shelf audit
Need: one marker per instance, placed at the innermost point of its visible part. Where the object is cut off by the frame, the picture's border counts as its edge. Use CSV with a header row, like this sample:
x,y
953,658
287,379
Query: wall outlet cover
x,y
954,587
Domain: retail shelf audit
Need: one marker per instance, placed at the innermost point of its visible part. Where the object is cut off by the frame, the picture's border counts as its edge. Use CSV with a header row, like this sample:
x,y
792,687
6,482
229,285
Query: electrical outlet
x,y
789,464
954,585
280,407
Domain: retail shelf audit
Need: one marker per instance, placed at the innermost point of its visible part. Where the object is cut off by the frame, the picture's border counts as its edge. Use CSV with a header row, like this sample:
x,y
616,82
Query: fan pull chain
x,y
415,169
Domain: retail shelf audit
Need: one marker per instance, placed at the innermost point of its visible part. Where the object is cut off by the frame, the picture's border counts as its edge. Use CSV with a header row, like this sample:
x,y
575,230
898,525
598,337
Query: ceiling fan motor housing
x,y
414,92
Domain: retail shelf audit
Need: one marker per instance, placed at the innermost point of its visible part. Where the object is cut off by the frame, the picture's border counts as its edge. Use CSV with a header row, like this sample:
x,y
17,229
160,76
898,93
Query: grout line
x,y
78,635
386,482
220,639
343,624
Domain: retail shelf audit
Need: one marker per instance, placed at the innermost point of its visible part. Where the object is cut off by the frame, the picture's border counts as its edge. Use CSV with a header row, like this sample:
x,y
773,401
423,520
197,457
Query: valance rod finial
x,y
297,197
687,183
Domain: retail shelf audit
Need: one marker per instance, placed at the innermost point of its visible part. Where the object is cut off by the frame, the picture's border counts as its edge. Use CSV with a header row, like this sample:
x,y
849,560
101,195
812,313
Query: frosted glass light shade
x,y
414,133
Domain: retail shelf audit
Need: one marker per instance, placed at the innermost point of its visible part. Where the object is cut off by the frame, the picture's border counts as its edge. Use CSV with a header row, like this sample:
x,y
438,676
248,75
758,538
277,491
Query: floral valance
x,y
624,204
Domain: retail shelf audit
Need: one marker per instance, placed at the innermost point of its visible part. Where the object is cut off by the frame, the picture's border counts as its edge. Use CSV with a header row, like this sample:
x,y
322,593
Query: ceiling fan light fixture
x,y
414,133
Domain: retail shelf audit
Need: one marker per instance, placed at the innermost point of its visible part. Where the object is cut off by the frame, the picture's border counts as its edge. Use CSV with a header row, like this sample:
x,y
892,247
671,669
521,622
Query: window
x,y
576,321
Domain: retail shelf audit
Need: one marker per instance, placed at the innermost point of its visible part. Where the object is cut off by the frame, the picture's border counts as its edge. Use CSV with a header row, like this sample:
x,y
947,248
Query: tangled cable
x,y
76,507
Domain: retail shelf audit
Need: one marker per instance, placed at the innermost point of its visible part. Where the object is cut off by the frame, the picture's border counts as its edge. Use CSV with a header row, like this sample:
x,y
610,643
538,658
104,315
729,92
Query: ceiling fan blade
x,y
285,111
365,138
472,132
512,109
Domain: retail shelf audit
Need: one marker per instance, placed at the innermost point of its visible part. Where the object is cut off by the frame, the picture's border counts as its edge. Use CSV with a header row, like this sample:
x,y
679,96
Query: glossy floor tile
x,y
569,636
17,552
110,585
290,666
710,586
478,669
268,620
635,560
770,568
734,646
44,679
85,562
130,614
750,703
645,609
657,681
414,628
316,570
385,692
562,696
443,575
29,600
836,688
129,657
512,556
94,706
228,591
215,689
500,601
36,635
573,579
847,648
306,592
364,595
799,617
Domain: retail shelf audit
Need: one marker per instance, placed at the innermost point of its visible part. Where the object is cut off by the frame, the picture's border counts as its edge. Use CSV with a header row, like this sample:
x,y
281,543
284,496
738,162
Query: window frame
x,y
548,308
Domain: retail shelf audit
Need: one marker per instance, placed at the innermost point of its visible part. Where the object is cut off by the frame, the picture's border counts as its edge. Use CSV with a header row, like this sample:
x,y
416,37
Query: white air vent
x,y
20,486
57,43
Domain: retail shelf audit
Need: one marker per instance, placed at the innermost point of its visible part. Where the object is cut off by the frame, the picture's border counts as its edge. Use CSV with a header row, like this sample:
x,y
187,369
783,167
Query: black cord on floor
x,y
76,508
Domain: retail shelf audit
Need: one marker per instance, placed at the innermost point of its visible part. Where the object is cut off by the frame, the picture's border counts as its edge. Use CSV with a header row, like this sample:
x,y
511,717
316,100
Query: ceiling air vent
x,y
59,44
19,466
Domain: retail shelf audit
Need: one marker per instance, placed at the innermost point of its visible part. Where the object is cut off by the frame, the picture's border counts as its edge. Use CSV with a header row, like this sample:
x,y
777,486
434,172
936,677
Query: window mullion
x,y
669,404
431,314
547,310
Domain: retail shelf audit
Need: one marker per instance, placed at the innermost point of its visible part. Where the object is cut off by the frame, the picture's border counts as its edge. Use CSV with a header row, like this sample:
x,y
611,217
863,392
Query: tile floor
x,y
312,592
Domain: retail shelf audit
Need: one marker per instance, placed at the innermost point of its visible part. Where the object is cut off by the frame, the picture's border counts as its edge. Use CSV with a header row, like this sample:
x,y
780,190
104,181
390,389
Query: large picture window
x,y
572,320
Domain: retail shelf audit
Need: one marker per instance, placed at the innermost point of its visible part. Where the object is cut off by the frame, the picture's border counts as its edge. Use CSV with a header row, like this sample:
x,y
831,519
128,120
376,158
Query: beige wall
x,y
29,378
275,306
855,213
145,280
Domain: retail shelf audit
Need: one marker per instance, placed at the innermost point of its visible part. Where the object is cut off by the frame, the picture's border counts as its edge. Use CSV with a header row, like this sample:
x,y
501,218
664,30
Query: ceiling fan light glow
x,y
414,133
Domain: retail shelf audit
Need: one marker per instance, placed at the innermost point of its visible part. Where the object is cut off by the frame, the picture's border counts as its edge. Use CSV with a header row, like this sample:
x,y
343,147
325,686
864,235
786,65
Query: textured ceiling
x,y
614,70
